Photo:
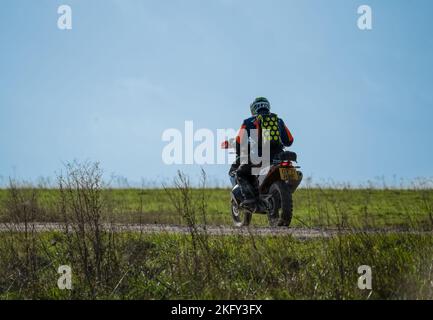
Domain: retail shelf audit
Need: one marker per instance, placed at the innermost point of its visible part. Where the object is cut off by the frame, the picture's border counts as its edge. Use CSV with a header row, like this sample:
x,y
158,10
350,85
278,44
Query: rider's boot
x,y
283,223
250,201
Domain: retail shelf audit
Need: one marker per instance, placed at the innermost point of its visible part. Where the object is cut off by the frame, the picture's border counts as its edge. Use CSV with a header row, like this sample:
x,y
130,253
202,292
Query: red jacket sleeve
x,y
241,134
286,135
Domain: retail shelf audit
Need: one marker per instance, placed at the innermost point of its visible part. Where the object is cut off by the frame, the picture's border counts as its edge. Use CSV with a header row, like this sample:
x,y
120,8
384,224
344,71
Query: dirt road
x,y
299,233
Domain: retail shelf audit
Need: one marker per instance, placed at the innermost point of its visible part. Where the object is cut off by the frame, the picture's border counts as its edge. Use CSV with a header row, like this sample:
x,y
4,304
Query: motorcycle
x,y
273,191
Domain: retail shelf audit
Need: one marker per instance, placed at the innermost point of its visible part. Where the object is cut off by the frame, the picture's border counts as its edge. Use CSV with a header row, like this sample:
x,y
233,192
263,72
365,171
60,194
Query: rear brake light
x,y
285,164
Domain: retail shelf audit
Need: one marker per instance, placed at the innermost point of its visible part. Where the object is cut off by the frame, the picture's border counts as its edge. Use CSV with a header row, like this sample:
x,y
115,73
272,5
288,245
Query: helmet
x,y
260,103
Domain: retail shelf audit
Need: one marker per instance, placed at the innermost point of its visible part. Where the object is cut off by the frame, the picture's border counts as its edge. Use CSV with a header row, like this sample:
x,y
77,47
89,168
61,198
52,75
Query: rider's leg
x,y
244,180
232,172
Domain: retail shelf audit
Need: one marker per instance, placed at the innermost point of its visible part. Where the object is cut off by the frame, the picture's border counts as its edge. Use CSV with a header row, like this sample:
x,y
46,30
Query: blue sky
x,y
359,103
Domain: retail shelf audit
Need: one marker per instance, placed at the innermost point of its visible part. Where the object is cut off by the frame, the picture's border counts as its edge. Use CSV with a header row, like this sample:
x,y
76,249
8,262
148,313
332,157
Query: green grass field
x,y
163,266
313,207
134,265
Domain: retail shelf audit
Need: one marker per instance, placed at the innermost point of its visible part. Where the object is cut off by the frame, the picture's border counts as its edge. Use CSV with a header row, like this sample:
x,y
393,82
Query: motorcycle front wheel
x,y
281,205
241,217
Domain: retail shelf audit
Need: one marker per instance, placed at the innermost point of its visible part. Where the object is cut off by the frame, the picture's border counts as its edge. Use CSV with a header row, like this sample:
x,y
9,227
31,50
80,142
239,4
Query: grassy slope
x,y
312,207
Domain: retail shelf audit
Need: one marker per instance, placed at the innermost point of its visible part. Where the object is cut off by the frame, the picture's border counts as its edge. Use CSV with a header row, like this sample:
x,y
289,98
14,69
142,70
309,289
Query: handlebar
x,y
228,144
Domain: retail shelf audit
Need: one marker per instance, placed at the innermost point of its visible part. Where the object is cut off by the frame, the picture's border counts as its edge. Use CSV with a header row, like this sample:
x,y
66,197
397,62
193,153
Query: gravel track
x,y
299,233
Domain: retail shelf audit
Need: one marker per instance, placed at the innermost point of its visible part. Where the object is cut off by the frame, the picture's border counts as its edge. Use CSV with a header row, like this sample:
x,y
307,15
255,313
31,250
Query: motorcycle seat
x,y
287,155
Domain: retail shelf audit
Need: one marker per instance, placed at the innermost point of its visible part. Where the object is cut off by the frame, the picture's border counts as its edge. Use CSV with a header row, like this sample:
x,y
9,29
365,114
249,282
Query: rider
x,y
276,132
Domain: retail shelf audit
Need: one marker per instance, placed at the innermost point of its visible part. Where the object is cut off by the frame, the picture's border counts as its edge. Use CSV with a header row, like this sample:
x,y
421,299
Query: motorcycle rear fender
x,y
274,175
265,182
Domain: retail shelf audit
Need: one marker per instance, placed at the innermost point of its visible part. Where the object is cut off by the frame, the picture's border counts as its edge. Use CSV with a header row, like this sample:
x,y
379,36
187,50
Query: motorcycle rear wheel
x,y
281,204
